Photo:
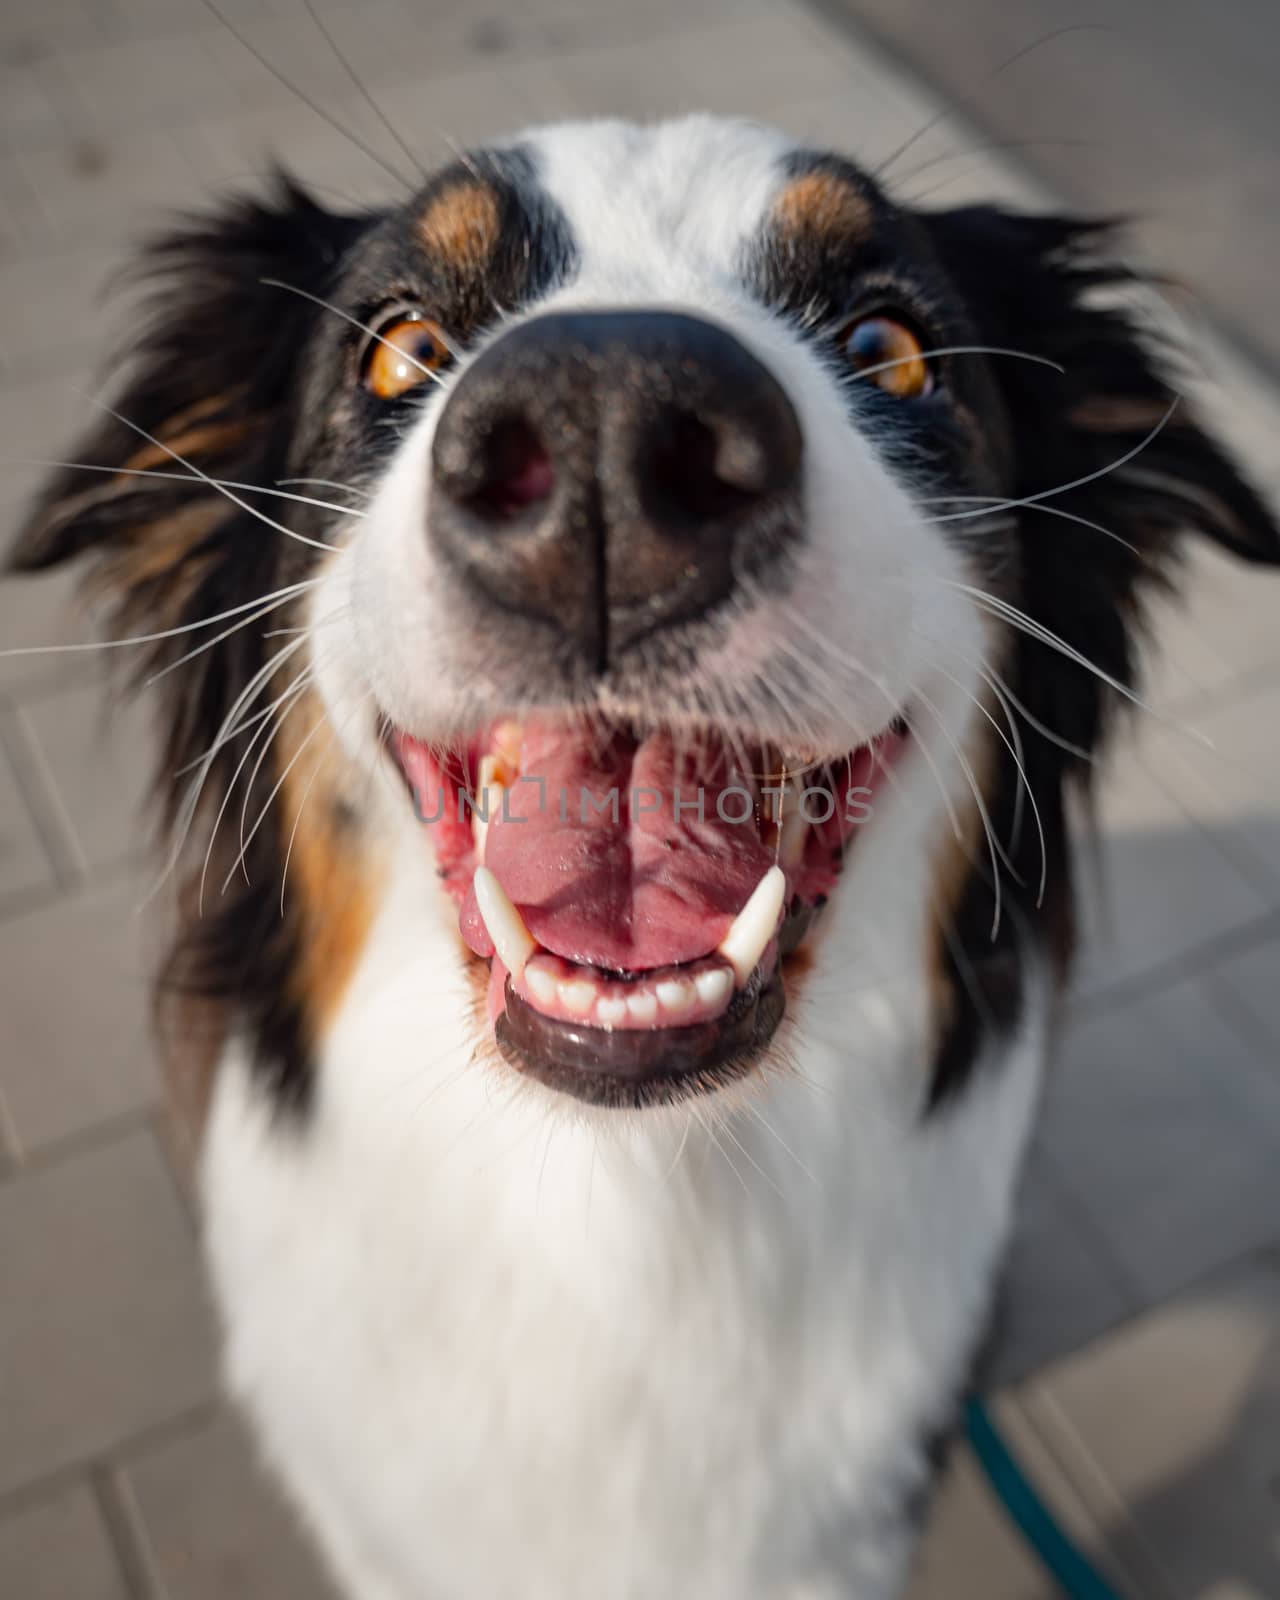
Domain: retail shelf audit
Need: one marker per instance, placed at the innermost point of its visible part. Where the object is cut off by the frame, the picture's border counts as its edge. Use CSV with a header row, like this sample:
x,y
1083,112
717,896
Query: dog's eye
x,y
887,353
404,353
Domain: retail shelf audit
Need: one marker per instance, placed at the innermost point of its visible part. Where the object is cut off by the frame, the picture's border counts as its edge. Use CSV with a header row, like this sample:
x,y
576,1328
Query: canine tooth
x,y
541,984
643,1007
507,737
578,996
611,1012
511,939
490,791
713,986
675,994
755,925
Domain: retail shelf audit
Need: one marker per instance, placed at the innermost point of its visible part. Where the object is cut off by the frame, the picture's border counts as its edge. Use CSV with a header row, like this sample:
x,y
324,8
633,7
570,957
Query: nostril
x,y
701,471
516,471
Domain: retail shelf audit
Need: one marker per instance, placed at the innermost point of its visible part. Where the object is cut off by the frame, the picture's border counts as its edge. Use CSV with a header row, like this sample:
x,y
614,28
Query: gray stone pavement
x,y
1139,1371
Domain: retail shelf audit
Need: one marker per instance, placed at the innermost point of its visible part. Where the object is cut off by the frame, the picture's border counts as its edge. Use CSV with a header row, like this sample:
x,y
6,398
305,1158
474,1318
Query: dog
x,y
631,620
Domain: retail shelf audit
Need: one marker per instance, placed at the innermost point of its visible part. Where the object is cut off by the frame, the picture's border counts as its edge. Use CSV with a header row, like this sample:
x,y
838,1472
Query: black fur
x,y
273,374
1034,284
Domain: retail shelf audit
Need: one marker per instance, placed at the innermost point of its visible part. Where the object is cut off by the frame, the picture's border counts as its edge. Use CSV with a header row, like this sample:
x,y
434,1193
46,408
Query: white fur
x,y
500,1345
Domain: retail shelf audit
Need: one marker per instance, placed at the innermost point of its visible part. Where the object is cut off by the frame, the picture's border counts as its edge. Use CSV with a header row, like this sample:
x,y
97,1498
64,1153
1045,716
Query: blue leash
x,y
1076,1576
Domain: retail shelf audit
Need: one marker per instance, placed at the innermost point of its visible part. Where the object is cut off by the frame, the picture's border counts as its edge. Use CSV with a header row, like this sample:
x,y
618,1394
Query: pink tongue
x,y
653,887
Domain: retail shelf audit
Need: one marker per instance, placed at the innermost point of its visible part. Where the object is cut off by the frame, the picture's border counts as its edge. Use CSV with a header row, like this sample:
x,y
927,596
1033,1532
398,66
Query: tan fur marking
x,y
158,550
195,441
331,890
1117,414
823,203
460,226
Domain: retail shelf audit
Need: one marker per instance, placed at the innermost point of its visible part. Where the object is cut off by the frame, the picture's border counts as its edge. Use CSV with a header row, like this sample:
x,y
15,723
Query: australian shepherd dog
x,y
629,622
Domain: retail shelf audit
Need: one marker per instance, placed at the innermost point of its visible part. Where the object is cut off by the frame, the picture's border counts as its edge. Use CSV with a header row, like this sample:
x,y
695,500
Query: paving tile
x,y
1161,885
1247,989
1213,633
121,188
1231,788
1062,1287
54,307
58,1549
28,112
65,1068
1164,1125
106,1330
26,868
971,1550
214,1523
1178,1416
99,759
35,612
760,62
142,83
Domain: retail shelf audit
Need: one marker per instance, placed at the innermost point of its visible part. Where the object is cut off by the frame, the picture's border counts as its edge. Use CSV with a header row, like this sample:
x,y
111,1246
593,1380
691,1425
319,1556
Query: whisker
x,y
277,707
994,847
186,812
996,505
306,99
327,305
940,116
325,755
185,477
319,723
208,644
364,91
958,350
329,483
316,544
165,633
1046,636
1076,483
1022,774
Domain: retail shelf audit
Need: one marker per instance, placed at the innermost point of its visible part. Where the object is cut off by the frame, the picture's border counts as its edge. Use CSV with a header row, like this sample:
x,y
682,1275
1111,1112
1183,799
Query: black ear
x,y
214,377
1046,285
211,374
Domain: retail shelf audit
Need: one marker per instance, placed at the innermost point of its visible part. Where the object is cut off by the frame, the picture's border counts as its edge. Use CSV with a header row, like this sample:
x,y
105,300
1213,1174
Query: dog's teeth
x,y
578,996
490,791
675,995
609,1013
511,939
541,984
507,737
755,925
643,1008
713,986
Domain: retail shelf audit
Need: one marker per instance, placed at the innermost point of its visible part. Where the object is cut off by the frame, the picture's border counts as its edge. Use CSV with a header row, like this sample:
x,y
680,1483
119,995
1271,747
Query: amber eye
x,y
404,353
886,352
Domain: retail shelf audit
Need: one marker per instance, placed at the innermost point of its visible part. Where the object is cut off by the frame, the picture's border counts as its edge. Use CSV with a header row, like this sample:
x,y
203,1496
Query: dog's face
x,y
693,537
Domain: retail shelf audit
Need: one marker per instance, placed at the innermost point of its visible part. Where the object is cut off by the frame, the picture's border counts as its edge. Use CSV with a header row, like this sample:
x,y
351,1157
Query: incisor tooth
x,y
578,996
713,986
611,1012
541,984
675,994
511,939
755,925
643,1007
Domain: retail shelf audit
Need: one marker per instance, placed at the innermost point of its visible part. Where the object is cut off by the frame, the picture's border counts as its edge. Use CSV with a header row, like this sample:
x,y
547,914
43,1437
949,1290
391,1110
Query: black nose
x,y
615,472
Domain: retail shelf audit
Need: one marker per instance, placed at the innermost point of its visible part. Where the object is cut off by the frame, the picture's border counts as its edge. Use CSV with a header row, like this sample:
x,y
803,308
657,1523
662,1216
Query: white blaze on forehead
x,y
646,205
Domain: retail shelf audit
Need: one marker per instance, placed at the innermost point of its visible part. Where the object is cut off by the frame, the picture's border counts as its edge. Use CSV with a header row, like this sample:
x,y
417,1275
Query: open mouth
x,y
636,893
